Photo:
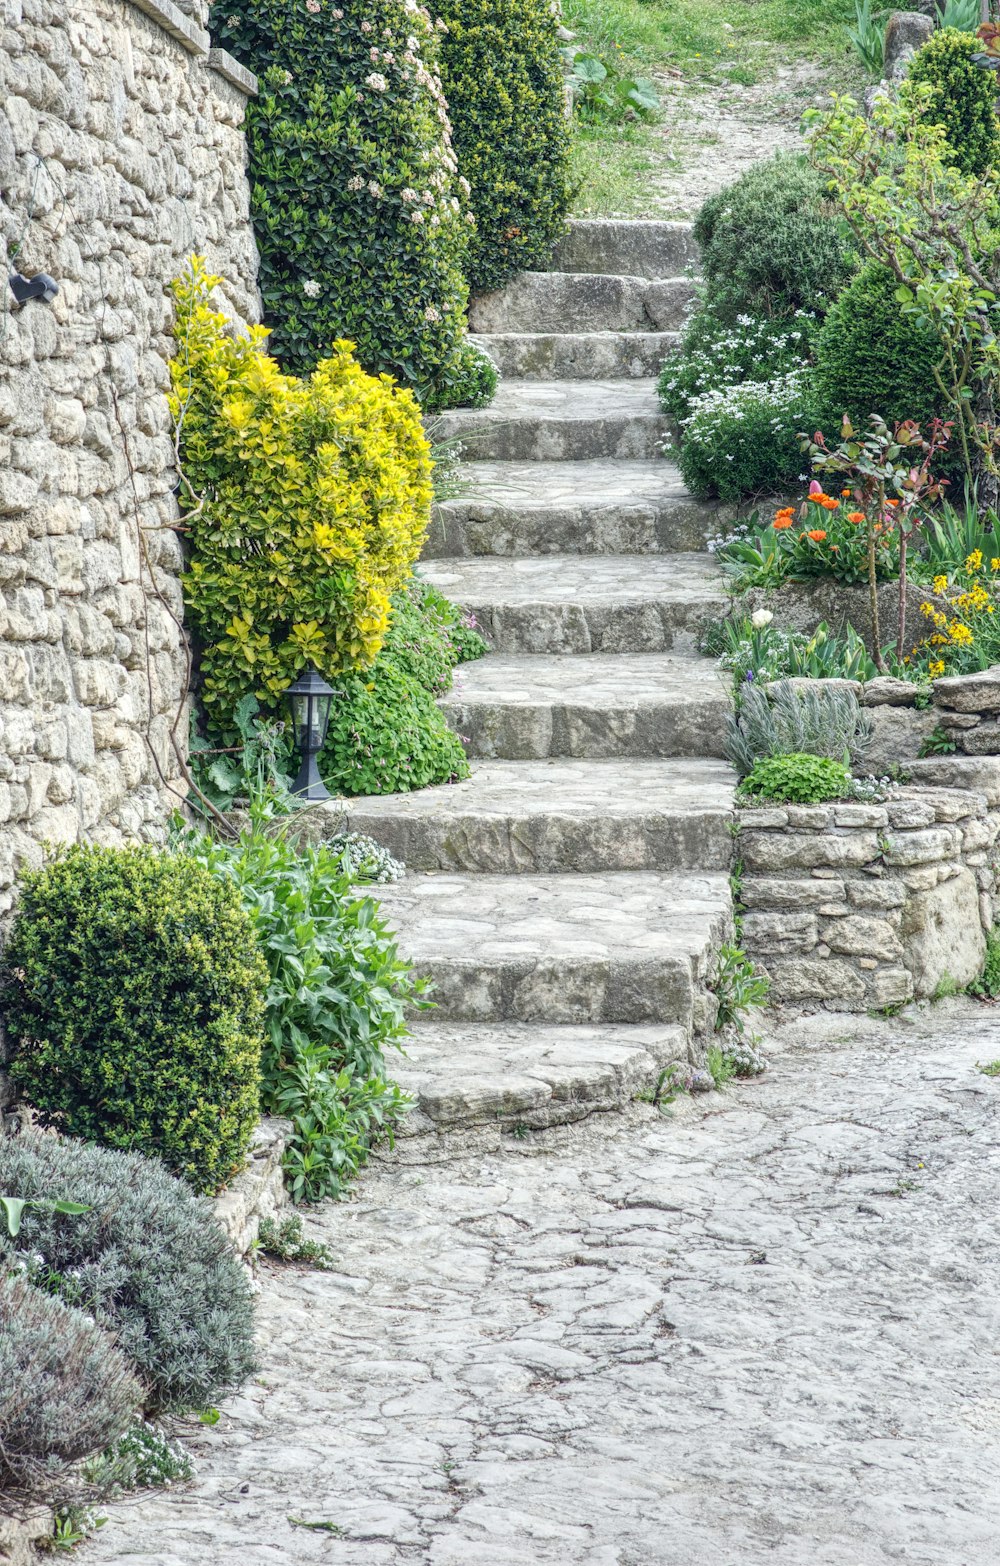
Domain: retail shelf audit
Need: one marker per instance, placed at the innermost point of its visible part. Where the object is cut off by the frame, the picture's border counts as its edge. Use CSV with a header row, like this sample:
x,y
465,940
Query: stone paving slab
x,y
463,1074
601,705
647,247
556,421
586,356
613,947
596,507
759,1331
587,603
513,817
581,302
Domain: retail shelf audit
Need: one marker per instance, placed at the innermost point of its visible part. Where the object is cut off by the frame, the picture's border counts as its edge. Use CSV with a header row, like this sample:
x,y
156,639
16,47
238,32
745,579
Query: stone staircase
x,y
569,898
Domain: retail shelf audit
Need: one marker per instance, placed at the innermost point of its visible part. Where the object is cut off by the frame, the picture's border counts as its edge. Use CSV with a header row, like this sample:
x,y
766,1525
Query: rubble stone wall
x,y
121,153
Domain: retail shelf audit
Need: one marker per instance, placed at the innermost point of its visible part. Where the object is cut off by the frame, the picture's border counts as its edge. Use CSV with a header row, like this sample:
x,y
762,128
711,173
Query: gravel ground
x,y
757,1330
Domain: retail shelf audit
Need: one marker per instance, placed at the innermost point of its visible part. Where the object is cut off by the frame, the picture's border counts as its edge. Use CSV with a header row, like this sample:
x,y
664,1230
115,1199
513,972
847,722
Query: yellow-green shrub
x,y
307,502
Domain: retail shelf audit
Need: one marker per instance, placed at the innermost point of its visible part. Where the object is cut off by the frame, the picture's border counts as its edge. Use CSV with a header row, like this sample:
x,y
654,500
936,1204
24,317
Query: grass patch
x,y
611,165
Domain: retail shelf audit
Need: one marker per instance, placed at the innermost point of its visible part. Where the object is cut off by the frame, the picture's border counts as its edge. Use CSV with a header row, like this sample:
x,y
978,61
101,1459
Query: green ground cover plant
x,y
799,779
335,1002
502,75
354,177
131,992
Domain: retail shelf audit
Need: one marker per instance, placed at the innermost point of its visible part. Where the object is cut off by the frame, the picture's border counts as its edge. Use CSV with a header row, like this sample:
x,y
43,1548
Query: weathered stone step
x,y
600,705
463,1074
560,508
579,356
558,421
644,248
564,948
586,603
583,302
524,817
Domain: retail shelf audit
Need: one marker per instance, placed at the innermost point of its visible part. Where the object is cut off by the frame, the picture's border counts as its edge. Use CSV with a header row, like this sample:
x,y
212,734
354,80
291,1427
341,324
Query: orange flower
x,y
892,502
786,511
817,535
855,517
819,498
845,493
829,504
780,522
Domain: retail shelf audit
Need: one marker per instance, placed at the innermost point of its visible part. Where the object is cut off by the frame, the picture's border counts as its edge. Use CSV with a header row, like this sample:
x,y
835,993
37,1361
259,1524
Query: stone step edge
x,y
444,1101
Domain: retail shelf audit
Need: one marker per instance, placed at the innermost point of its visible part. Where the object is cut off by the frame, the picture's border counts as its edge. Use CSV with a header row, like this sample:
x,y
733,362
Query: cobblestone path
x,y
760,1330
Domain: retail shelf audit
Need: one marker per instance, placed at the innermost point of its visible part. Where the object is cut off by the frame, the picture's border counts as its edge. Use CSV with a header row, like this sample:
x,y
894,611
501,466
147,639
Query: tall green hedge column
x,y
502,75
360,218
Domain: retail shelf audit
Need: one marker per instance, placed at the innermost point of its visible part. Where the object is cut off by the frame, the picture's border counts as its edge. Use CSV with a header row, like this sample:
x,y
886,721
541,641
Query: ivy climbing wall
x,y
121,152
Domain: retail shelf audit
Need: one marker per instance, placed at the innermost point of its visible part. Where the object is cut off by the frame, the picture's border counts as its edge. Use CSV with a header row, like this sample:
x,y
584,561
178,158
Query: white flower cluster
x,y
872,791
367,860
311,288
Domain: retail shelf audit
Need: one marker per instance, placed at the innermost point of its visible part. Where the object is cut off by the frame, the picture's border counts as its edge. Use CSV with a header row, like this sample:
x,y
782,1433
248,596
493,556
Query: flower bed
x,y
860,906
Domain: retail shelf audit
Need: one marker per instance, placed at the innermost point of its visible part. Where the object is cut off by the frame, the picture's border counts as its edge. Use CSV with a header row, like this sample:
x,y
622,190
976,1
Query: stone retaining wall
x,y
855,906
121,153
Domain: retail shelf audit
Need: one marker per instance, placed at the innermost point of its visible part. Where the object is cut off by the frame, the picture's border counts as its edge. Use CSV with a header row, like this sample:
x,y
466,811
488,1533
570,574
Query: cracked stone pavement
x,y
759,1329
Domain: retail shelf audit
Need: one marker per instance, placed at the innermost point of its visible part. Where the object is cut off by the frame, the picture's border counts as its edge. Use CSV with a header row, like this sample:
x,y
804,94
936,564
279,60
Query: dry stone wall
x,y
858,906
121,153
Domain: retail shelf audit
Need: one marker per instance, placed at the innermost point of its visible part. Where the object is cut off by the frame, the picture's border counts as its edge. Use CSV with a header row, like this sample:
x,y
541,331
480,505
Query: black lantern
x,y
311,698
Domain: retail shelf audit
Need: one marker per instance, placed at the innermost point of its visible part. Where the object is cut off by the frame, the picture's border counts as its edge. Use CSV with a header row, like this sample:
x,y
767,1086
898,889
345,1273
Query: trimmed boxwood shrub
x,y
132,994
66,1391
360,219
871,358
963,101
502,72
771,244
147,1260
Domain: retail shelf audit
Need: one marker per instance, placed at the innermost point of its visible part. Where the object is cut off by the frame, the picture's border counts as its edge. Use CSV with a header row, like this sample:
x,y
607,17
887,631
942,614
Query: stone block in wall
x,y
774,892
942,934
980,774
259,1190
983,740
858,936
801,850
972,693
921,847
781,932
829,981
899,735
883,892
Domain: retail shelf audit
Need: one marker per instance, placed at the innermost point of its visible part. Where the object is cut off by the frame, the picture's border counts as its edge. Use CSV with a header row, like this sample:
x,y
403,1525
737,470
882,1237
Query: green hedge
x,y
361,221
132,994
964,97
502,73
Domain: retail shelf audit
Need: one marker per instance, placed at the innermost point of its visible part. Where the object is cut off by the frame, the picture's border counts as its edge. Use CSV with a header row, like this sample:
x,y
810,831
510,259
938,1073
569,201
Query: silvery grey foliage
x,y
815,718
147,1260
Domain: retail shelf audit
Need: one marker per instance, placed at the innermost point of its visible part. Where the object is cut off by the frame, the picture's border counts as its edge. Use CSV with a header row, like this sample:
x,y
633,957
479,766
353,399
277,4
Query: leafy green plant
x,y
785,720
306,506
987,986
771,244
12,1209
962,99
716,354
501,69
938,743
868,36
962,15
72,1525
742,440
737,987
286,1241
65,1391
797,779
720,1066
602,92
474,381
146,1260
751,649
132,995
255,757
336,1000
953,533
353,177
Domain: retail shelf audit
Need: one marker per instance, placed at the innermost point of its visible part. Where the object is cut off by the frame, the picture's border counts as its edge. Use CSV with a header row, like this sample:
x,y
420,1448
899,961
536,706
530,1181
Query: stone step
x,y
560,508
645,248
558,421
586,603
579,356
583,302
599,705
564,948
463,1074
525,817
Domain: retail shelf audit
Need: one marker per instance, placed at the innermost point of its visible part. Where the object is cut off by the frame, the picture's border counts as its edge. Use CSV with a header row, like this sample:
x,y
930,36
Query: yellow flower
x,y
995,563
935,668
974,561
940,583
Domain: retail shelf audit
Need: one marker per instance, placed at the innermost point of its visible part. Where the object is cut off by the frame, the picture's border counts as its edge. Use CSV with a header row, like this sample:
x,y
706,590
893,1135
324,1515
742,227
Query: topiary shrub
x,y
871,358
66,1391
963,97
502,72
147,1261
307,505
132,994
743,440
799,779
771,243
360,218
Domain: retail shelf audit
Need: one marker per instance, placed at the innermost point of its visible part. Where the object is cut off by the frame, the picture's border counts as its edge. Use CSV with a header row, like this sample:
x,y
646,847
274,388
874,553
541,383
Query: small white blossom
x,y
431,314
374,188
376,82
311,288
760,618
416,217
356,183
408,195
